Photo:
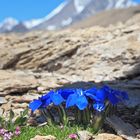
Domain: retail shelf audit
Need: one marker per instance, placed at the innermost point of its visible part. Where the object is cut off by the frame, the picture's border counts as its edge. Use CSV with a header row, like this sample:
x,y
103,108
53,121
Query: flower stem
x,y
79,116
62,115
87,115
99,118
47,115
65,118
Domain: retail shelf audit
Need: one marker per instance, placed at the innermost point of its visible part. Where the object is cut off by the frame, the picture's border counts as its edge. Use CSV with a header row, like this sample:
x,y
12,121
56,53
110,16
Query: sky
x,y
26,9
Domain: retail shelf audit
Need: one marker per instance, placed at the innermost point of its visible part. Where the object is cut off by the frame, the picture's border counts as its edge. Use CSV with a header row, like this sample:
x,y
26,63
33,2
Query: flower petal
x,y
34,105
112,98
56,98
97,95
46,102
71,101
47,95
99,106
92,96
101,95
82,102
113,95
91,90
124,95
66,92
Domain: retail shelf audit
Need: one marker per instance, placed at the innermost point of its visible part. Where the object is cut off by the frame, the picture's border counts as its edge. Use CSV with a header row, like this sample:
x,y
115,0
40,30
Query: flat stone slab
x,y
123,129
16,81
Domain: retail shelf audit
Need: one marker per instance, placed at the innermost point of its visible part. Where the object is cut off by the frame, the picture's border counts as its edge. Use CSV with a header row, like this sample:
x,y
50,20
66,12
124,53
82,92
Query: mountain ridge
x,y
67,13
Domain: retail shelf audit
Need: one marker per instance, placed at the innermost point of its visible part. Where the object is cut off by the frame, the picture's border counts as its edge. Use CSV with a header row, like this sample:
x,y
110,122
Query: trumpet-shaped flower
x,y
47,99
115,96
43,101
77,99
55,97
96,94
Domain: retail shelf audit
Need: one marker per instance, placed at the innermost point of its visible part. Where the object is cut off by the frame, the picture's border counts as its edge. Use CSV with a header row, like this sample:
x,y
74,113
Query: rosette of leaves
x,y
80,106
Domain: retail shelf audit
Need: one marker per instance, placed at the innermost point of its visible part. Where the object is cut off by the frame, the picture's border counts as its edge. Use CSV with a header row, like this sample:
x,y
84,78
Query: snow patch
x,y
56,10
66,22
81,4
124,3
32,23
51,27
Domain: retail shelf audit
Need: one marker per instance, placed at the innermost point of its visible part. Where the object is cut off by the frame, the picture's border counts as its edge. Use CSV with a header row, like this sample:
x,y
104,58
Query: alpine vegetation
x,y
78,106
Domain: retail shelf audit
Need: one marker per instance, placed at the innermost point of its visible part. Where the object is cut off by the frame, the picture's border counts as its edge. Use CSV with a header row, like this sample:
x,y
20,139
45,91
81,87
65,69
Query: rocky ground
x,y
35,62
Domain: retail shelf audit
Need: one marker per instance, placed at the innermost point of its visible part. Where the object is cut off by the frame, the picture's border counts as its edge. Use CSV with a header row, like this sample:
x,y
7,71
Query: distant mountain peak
x,y
8,24
67,13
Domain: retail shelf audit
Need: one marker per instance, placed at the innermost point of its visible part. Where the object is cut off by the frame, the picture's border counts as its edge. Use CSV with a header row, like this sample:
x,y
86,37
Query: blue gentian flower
x,y
115,96
43,101
96,94
77,99
98,97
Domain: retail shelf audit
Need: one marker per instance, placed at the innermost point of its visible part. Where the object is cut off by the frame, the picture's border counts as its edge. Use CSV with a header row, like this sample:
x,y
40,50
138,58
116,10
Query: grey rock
x,y
85,135
125,130
3,100
16,82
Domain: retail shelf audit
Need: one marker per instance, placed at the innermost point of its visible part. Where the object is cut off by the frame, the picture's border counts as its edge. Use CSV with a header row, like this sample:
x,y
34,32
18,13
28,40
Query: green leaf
x,y
11,114
25,112
17,121
20,121
1,121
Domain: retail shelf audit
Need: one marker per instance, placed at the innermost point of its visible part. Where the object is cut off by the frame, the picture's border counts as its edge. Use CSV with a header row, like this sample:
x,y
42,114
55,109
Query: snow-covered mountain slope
x,y
75,10
96,6
110,17
67,13
8,24
32,23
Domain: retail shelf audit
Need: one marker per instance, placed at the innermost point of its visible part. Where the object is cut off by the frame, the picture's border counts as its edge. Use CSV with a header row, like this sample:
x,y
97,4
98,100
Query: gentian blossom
x,y
115,96
43,101
80,98
55,97
77,99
